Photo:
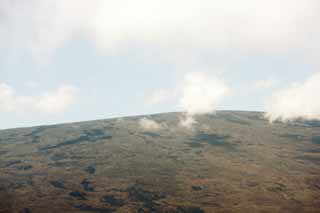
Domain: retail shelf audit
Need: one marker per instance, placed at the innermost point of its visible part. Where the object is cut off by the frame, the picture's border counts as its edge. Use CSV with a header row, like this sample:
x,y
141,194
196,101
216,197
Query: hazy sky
x,y
64,61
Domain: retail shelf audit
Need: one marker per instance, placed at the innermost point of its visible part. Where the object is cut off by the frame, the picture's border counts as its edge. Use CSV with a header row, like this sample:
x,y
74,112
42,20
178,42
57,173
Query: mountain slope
x,y
228,162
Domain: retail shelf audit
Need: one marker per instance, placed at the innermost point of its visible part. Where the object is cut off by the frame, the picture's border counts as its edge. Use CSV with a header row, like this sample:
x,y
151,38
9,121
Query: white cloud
x,y
50,102
149,124
40,27
187,121
57,101
44,25
7,98
300,100
201,93
196,93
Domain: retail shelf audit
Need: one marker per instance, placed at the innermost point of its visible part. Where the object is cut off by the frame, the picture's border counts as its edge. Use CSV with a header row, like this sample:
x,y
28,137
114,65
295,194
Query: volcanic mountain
x,y
230,161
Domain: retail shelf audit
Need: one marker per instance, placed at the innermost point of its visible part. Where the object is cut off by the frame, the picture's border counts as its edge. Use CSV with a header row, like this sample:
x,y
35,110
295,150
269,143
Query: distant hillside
x,y
230,161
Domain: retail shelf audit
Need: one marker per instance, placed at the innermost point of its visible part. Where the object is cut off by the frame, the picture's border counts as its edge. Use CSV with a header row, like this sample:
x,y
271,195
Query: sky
x,y
66,61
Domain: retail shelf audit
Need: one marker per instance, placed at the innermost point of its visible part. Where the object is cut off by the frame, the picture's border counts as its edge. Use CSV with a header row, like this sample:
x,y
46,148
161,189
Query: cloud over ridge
x,y
299,100
149,124
201,93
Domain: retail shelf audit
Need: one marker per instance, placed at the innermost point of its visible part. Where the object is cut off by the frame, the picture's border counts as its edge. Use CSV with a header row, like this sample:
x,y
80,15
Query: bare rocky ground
x,y
229,162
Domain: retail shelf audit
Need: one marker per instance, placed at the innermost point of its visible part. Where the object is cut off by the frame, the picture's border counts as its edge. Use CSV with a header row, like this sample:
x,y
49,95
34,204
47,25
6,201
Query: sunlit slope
x,y
227,162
